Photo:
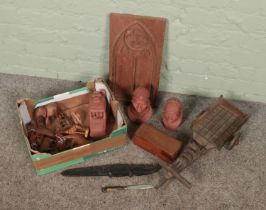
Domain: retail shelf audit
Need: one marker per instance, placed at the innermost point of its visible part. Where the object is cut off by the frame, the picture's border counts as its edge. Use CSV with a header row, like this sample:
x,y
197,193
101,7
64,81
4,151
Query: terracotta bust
x,y
172,114
140,109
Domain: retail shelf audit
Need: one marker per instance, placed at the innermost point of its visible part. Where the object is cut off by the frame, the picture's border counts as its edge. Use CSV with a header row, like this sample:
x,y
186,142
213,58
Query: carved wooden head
x,y
140,99
172,114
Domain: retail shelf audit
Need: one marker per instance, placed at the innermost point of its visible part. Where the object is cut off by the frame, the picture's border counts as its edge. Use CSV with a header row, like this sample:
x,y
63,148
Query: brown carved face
x,y
171,116
140,103
141,99
172,112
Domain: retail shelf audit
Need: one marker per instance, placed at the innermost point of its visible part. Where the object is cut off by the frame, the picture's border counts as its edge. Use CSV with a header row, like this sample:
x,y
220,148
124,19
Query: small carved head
x,y
140,99
172,114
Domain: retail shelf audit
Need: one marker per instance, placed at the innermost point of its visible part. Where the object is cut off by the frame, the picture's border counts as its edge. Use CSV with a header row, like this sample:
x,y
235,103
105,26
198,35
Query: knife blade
x,y
114,170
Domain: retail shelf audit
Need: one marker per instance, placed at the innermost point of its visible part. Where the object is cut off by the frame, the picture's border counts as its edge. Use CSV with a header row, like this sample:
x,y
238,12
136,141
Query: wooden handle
x,y
113,188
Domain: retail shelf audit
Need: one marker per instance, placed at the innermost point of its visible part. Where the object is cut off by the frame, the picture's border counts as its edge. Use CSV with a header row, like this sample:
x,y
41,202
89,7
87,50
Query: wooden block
x,y
135,54
156,142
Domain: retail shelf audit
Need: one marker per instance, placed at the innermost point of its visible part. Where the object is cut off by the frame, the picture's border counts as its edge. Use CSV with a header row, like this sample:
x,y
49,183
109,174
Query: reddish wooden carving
x,y
97,115
136,45
140,109
172,114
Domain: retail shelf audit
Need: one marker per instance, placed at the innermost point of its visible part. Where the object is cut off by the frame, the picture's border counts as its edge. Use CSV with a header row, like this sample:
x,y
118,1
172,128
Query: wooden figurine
x,y
140,109
136,47
97,114
172,114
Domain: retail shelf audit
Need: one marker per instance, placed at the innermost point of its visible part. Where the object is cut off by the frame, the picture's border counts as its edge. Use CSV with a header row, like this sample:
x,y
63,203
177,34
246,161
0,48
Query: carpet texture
x,y
223,179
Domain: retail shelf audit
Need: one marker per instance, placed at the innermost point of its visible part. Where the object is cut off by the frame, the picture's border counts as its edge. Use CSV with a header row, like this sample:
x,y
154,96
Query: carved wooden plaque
x,y
135,54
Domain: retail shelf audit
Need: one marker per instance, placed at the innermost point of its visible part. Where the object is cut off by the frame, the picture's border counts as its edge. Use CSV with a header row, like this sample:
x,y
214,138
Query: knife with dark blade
x,y
114,170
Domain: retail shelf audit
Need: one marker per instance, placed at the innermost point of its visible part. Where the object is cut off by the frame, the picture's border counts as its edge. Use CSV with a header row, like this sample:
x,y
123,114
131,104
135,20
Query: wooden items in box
x,y
75,107
54,129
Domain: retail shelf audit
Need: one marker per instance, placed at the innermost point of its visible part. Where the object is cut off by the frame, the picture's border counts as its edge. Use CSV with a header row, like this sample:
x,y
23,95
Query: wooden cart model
x,y
216,127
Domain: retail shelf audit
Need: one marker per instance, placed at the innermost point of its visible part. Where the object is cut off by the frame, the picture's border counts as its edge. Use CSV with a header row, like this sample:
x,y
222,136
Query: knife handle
x,y
113,188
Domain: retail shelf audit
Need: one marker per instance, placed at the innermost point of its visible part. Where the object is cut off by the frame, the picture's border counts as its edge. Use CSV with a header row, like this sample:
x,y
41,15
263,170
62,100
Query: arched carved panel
x,y
135,52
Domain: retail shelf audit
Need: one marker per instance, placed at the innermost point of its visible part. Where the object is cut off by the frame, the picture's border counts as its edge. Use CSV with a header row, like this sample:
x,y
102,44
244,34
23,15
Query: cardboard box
x,y
44,162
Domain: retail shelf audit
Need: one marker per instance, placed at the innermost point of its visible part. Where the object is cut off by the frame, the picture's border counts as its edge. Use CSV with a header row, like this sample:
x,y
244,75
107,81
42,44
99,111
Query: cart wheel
x,y
233,142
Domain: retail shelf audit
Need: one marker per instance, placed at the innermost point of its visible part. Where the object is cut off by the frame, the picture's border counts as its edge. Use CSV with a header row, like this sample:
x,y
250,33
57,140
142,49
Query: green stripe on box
x,y
40,156
75,161
70,92
79,90
104,152
118,132
43,100
59,166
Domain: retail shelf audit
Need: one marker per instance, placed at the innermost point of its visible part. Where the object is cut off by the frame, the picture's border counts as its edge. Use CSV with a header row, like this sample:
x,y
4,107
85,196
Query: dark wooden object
x,y
135,54
156,142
